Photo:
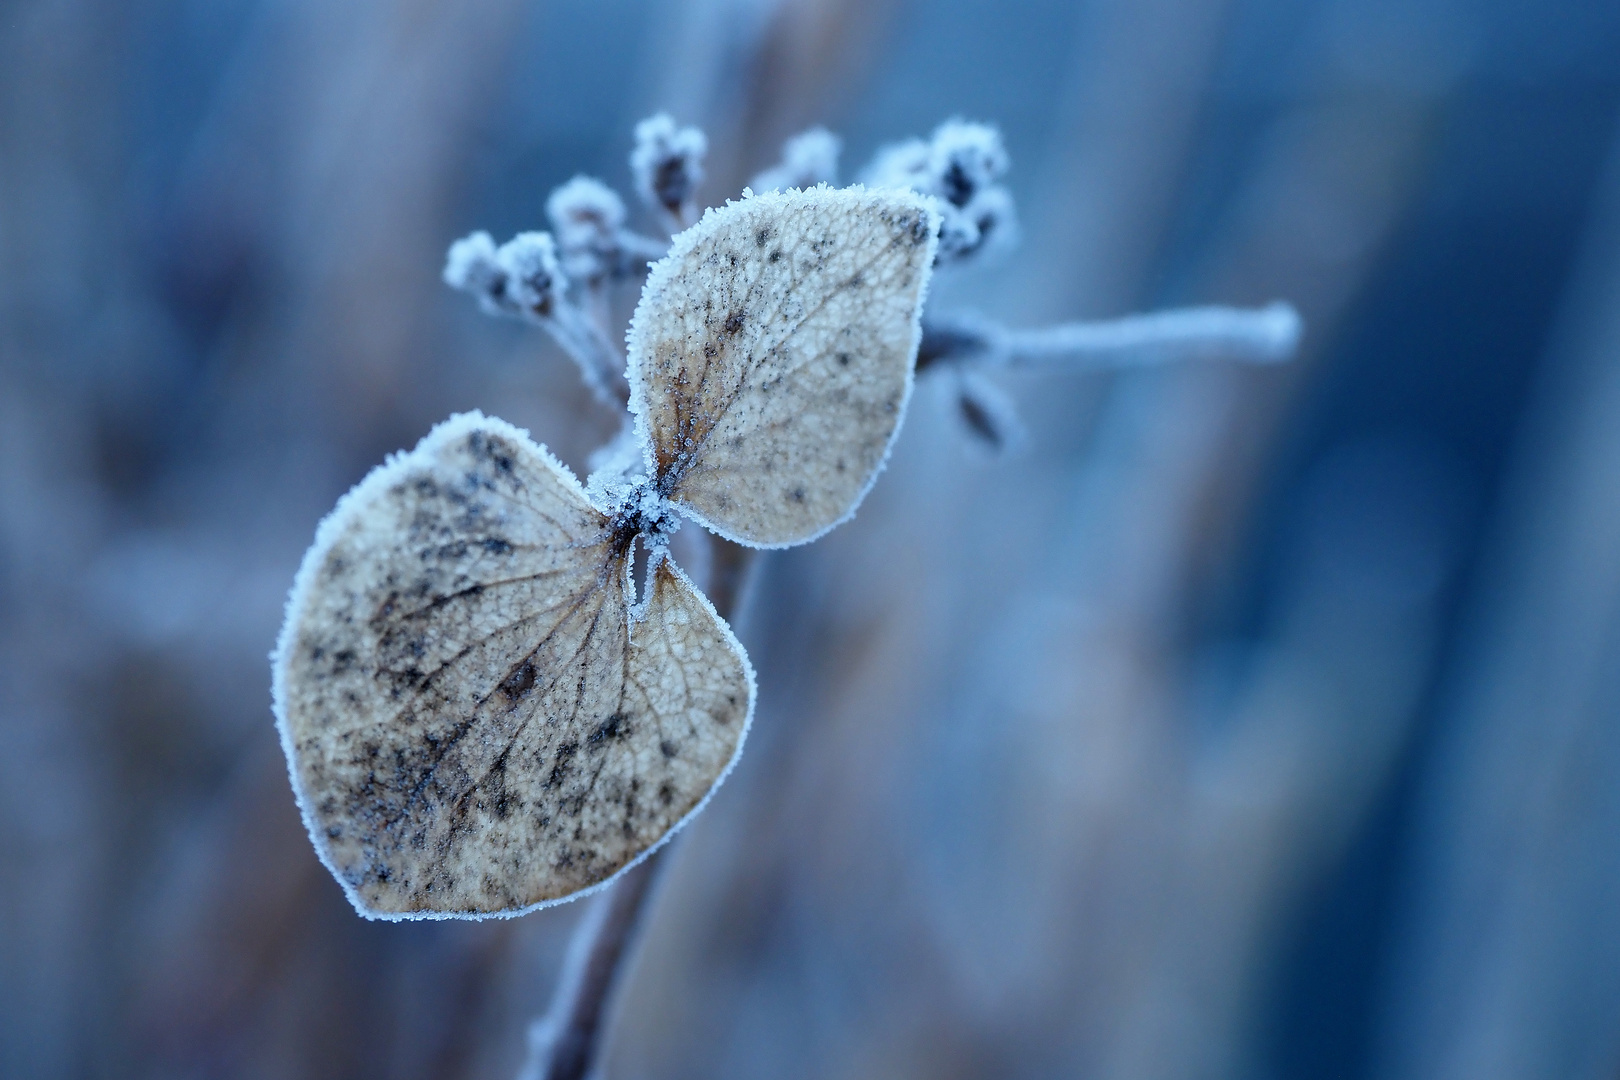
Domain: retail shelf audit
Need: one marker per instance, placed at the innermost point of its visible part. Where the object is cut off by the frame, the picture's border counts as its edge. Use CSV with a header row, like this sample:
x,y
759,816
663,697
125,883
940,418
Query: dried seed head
x,y
960,165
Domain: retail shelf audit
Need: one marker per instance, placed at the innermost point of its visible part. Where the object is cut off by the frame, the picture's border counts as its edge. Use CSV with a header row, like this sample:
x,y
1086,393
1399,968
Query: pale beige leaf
x,y
473,721
772,352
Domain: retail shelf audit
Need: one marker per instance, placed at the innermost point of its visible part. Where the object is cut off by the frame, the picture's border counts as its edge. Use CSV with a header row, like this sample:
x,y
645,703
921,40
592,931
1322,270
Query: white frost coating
x,y
416,563
771,357
1263,335
535,278
615,465
987,223
666,163
521,277
587,216
808,159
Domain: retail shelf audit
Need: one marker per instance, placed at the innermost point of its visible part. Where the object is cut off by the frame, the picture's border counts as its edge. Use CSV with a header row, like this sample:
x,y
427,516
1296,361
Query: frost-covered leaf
x,y
475,721
771,356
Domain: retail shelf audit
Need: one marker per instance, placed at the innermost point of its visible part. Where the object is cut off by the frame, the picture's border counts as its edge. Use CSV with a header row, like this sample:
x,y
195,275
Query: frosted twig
x,y
1262,335
563,1043
524,278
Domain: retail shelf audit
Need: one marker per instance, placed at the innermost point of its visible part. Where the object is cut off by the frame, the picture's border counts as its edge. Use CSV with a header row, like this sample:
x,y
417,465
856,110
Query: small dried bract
x,y
479,715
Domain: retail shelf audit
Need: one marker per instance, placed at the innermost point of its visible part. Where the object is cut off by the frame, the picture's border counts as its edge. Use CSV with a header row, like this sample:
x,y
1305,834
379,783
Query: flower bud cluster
x,y
961,165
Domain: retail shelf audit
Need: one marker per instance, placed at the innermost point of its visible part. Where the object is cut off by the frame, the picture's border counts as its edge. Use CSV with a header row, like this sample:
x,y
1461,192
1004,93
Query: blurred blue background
x,y
1251,723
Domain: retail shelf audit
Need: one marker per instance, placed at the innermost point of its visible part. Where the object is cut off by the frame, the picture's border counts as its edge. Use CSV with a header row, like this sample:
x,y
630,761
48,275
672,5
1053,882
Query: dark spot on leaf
x,y
843,359
614,727
560,770
667,748
520,682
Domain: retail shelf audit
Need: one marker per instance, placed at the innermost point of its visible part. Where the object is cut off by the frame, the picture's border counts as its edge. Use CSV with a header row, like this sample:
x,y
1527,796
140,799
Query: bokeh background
x,y
1251,723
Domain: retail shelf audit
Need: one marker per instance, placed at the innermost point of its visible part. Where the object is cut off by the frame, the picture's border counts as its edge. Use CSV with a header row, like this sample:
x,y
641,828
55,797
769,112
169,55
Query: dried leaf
x,y
474,720
771,356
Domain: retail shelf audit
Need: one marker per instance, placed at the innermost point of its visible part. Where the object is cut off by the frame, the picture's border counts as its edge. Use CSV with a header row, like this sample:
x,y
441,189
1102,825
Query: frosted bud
x,y
521,276
959,166
471,266
587,218
667,163
989,222
963,159
808,159
535,279
585,213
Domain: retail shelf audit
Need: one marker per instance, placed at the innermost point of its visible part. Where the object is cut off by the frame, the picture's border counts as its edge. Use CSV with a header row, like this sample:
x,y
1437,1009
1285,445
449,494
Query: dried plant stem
x,y
564,1044
1256,335
583,338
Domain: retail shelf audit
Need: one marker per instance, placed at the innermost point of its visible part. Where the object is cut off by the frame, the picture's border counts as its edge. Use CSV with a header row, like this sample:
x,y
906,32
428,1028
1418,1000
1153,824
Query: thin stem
x,y
563,1044
1263,335
566,1042
599,360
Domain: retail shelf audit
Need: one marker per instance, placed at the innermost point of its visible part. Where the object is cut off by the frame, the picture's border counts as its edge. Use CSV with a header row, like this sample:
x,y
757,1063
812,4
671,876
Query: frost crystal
x,y
667,163
808,159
